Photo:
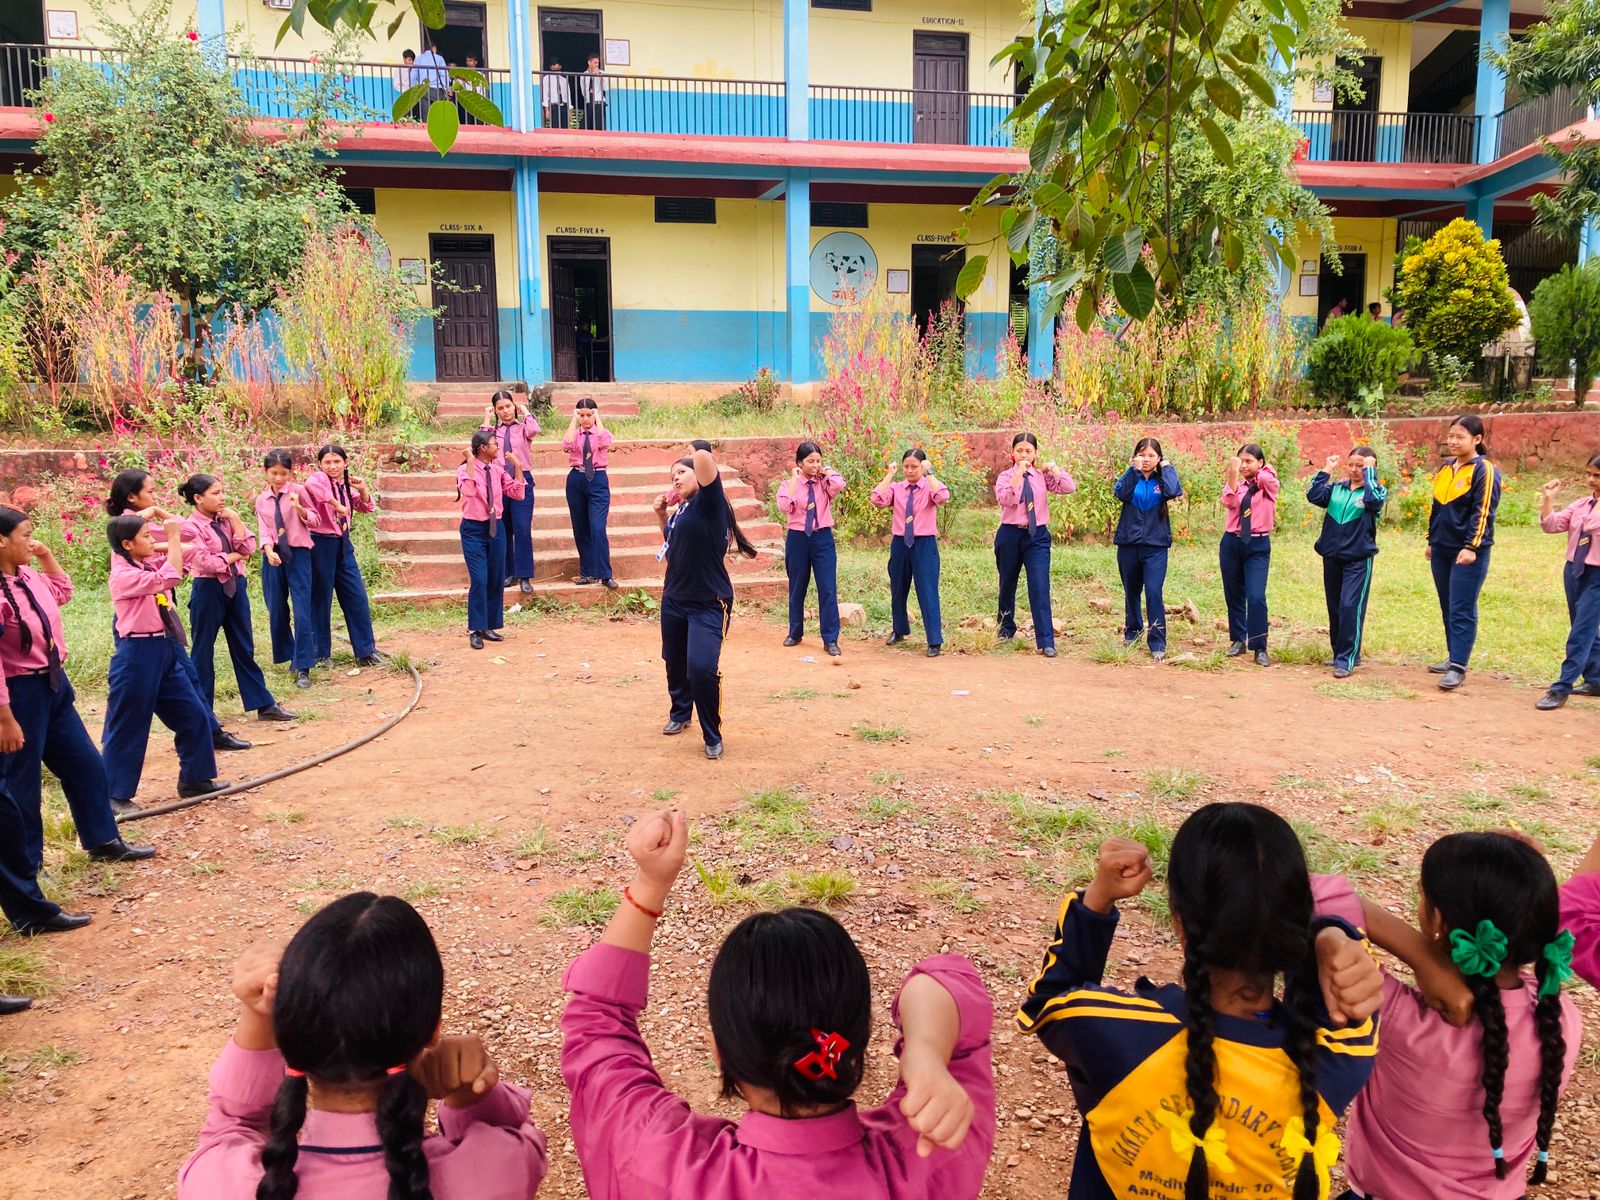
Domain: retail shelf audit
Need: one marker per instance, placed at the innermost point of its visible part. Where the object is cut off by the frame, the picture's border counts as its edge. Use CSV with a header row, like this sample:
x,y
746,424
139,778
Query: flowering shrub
x,y
1454,291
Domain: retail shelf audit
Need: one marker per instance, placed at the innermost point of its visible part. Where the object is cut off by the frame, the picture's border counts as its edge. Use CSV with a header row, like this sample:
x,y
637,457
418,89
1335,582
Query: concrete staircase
x,y
467,401
420,545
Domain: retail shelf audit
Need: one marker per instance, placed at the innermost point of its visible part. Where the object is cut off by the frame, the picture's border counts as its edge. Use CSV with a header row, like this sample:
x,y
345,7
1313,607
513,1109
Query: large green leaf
x,y
1135,291
1121,251
408,100
444,122
1220,145
971,277
431,12
1225,96
480,106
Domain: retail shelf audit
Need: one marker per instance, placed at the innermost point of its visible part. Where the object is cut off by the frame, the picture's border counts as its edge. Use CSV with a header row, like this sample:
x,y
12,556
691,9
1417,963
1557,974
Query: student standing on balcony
x,y
467,85
592,88
588,447
556,89
431,69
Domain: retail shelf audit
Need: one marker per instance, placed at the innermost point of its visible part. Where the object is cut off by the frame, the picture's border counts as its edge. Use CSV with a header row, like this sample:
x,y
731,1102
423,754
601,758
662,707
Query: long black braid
x,y
282,1148
24,634
1200,1065
1491,1016
1552,1066
402,1105
1302,1008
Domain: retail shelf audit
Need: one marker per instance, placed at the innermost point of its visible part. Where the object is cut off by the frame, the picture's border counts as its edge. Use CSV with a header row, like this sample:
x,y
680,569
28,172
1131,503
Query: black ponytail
x,y
282,1148
10,520
1200,1065
192,488
123,528
1302,1005
1552,1065
124,487
1491,1015
402,1105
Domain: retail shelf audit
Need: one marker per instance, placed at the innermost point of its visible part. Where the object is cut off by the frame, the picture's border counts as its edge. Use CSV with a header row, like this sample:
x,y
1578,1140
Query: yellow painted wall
x,y
697,39
251,23
406,217
90,32
873,49
1372,236
892,229
1390,41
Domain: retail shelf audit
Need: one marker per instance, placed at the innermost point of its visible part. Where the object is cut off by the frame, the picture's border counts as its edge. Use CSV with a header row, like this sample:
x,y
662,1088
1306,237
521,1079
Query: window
x,y
834,214
686,210
364,199
847,5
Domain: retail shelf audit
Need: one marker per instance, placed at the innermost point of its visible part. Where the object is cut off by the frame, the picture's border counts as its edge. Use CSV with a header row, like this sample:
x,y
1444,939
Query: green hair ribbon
x,y
1558,954
1480,953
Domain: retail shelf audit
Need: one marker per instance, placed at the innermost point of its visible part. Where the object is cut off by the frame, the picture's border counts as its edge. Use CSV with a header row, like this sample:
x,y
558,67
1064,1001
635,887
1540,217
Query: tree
x,y
1565,315
161,147
1454,291
1563,51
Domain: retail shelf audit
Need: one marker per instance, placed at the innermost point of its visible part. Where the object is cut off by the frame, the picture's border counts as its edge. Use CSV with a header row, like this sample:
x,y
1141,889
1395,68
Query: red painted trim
x,y
448,179
1414,177
1467,18
881,193
652,185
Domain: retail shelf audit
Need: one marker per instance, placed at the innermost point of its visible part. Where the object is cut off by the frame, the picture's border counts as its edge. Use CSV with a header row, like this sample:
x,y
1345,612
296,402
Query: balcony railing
x,y
1379,137
276,87
904,116
1527,122
24,67
661,104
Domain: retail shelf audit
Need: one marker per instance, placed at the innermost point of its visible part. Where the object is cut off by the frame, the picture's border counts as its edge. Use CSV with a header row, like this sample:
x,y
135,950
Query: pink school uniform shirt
x,y
484,487
1417,1128
1579,519
51,592
1263,509
794,497
490,1151
137,591
1008,494
925,521
599,447
515,438
638,1141
294,529
204,556
1580,912
320,492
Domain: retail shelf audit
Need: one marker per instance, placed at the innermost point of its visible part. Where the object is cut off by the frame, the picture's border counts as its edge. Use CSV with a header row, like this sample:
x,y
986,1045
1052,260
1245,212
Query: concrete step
x,y
395,528
648,482
471,408
547,456
404,555
747,588
444,570
405,507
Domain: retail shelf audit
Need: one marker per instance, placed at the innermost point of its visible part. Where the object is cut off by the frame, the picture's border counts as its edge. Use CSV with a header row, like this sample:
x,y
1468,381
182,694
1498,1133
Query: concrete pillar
x,y
532,329
1481,210
797,72
212,26
1493,33
797,273
1041,335
522,105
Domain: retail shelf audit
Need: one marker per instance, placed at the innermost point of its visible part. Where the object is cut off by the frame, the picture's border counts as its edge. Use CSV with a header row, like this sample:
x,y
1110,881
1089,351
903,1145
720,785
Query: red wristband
x,y
627,894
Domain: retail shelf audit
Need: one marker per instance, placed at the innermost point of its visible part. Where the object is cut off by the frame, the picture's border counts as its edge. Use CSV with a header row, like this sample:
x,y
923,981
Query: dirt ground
x,y
920,780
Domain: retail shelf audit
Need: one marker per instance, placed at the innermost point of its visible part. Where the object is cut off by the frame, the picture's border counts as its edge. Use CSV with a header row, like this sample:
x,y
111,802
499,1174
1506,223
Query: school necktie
x,y
588,457
505,441
282,540
230,585
488,503
169,619
341,493
1027,504
1580,552
811,507
52,652
911,508
1244,510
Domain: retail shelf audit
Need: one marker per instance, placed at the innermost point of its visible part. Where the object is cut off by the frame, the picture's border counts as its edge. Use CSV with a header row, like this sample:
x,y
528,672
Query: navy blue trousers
x,y
589,505
803,557
1244,587
188,669
691,646
334,572
53,736
1346,584
1015,550
519,533
486,573
1583,643
1458,589
915,565
287,592
1144,573
148,680
20,898
211,612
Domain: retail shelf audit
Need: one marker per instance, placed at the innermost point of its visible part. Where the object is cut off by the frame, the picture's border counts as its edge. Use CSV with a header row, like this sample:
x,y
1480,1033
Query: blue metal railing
x,y
1379,137
660,104
906,116
1525,123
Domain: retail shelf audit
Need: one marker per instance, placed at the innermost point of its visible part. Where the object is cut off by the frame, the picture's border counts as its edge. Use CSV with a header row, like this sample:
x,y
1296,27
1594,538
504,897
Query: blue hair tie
x,y
1499,1153
1544,1156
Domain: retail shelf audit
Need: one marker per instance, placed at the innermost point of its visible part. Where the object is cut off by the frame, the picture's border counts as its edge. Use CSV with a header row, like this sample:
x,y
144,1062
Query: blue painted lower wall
x,y
423,367
689,347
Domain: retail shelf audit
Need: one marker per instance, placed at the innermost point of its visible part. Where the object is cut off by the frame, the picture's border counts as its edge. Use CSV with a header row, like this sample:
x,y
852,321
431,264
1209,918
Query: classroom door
x,y
580,309
939,83
569,36
1351,287
1353,134
466,334
463,34
933,281
21,59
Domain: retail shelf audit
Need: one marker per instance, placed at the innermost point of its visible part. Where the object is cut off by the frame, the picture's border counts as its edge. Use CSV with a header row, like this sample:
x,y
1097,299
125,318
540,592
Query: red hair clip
x,y
293,1074
400,1070
822,1062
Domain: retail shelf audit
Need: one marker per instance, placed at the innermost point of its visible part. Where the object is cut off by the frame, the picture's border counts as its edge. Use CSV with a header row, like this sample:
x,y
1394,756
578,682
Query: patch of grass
x,y
202,867
663,795
1328,855
1395,816
822,888
582,906
1363,689
459,835
1035,719
1214,661
881,807
1479,801
1528,791
1175,785
798,693
728,887
957,897
399,822
1551,837
1112,753
70,873
286,816
1300,653
771,815
533,844
887,778
1592,761
586,854
878,734
1039,823
48,1058
336,883
423,889
23,970
1290,779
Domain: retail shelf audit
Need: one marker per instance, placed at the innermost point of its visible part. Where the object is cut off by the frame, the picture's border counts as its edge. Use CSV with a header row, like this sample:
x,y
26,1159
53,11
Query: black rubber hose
x,y
161,810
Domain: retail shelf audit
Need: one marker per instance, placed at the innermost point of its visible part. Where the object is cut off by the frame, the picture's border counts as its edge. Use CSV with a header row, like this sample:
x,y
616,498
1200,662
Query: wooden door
x,y
1353,135
466,334
563,323
939,83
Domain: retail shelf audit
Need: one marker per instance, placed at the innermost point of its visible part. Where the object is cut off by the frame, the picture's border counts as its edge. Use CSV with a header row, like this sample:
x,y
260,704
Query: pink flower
x,y
49,118
192,36
69,535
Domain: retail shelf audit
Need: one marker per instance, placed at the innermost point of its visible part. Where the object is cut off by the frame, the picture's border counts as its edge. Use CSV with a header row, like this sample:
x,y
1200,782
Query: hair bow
x,y
1558,954
1214,1145
1324,1151
823,1062
1480,953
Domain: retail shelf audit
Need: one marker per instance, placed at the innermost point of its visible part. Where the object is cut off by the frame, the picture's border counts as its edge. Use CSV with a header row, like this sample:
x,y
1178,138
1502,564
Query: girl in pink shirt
x,y
514,427
486,486
1580,912
1250,496
913,503
1580,521
1460,1113
335,498
282,511
1023,539
588,446
791,1015
806,500
323,1091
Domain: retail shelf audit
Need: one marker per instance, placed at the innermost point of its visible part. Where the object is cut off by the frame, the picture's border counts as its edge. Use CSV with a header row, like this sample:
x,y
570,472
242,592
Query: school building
x,y
688,190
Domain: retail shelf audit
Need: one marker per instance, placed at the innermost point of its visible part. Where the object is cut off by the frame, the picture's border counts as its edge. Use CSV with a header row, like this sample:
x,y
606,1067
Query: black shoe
x,y
832,648
1453,678
1550,701
475,640
1048,651
1235,649
791,640
14,1004
200,787
1006,637
1262,660
325,663
375,659
1441,668
895,639
123,807
526,585
302,679
934,651
585,579
672,727
610,585
274,712
713,750
62,922
119,851
493,635
1587,689
1341,672
223,740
